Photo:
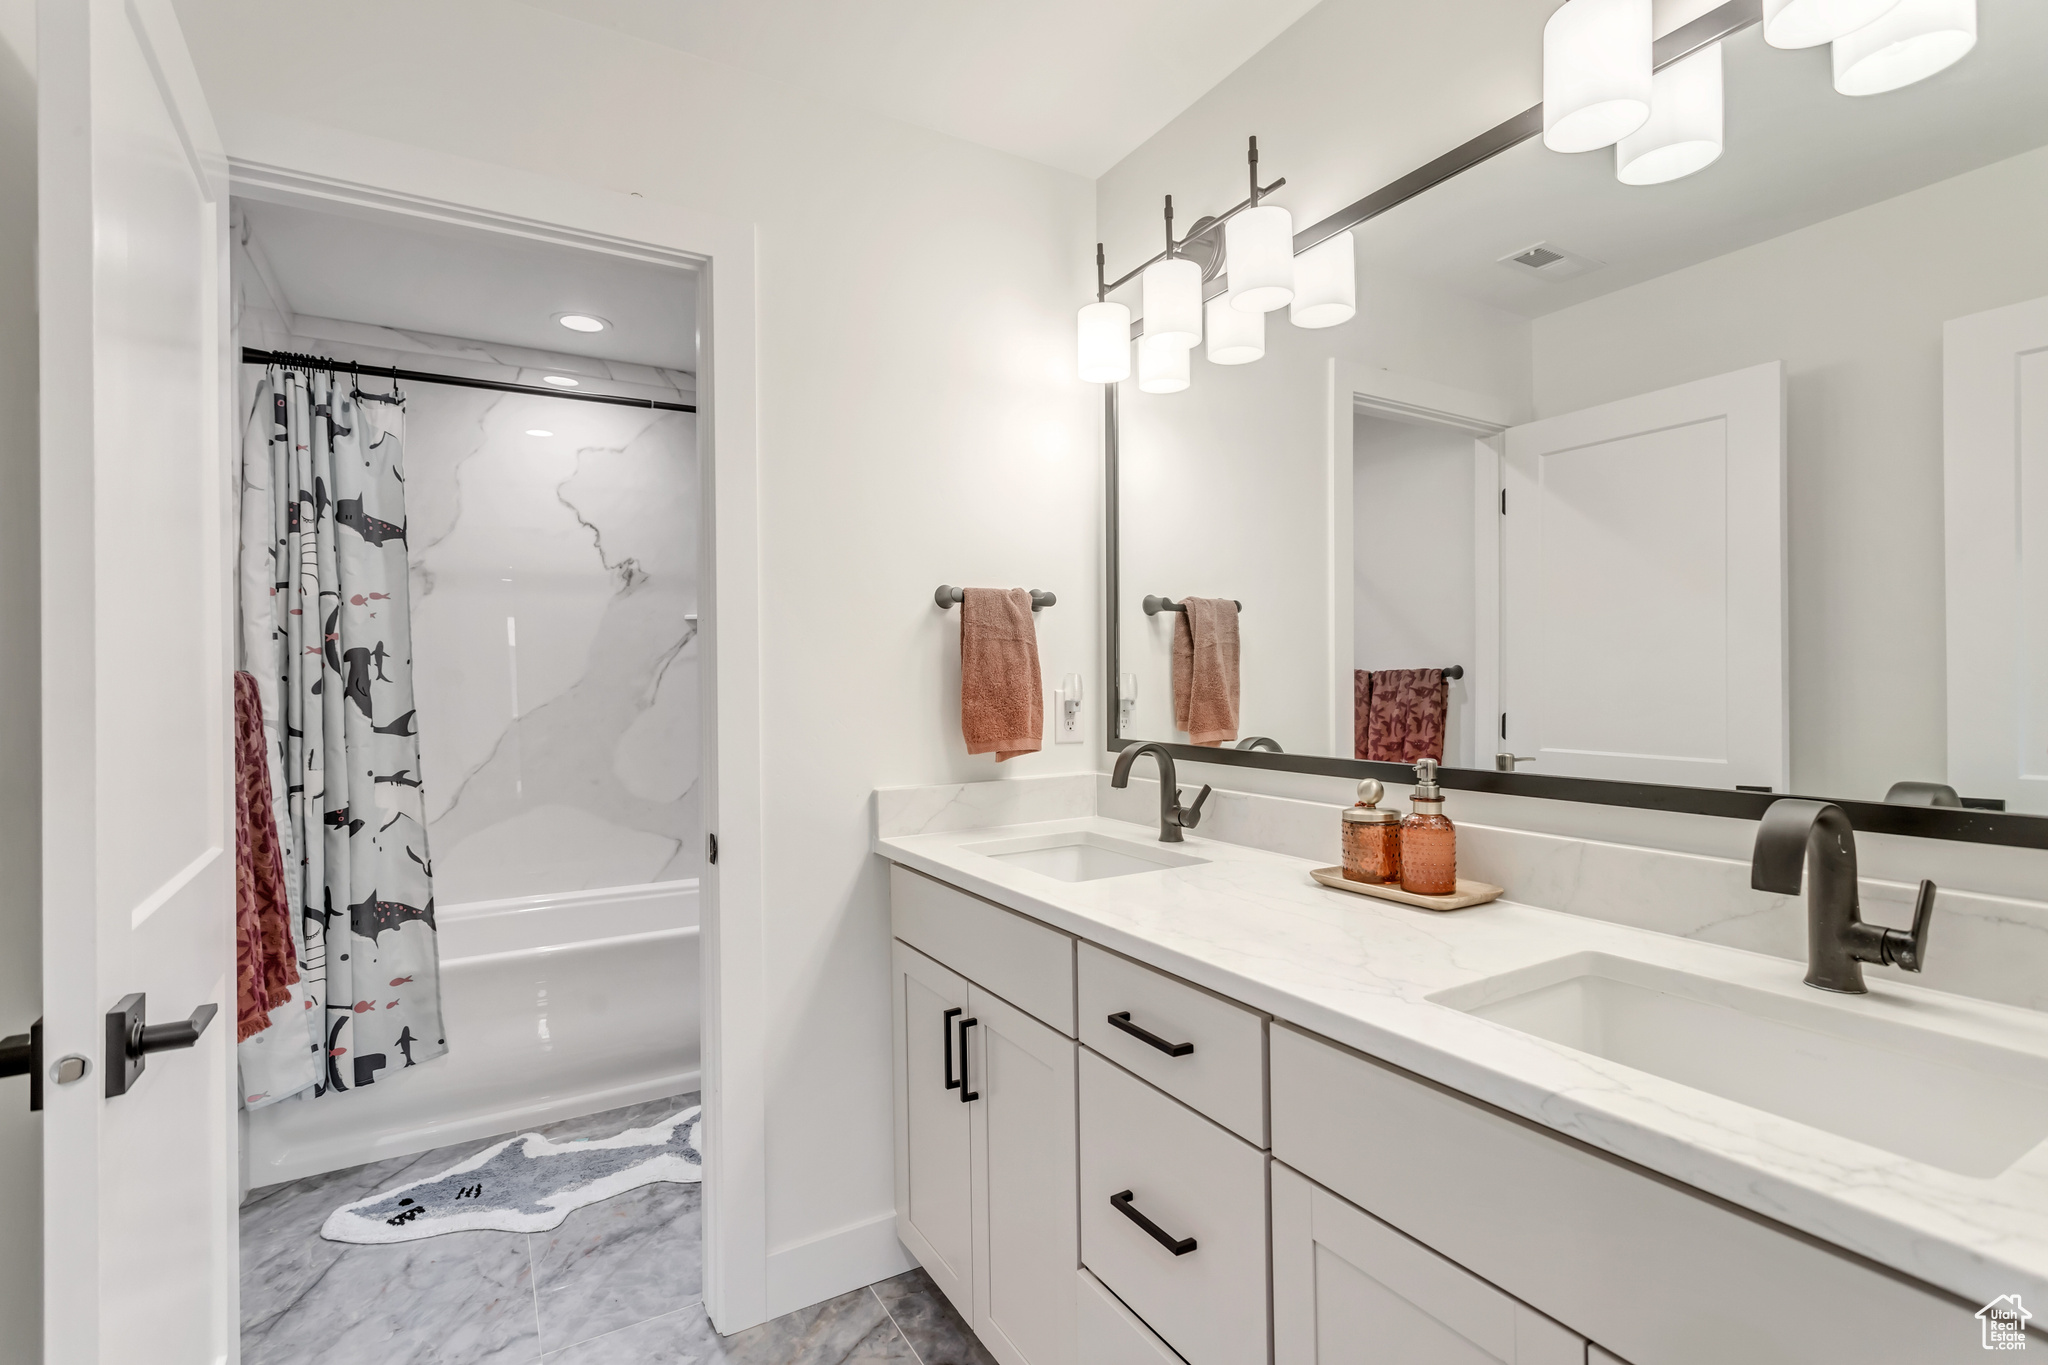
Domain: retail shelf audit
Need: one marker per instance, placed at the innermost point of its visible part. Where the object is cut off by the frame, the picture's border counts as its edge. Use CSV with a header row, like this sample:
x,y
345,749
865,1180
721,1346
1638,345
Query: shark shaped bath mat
x,y
525,1184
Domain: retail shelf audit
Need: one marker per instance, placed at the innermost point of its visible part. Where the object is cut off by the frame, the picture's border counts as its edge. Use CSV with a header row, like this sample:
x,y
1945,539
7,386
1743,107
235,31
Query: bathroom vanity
x,y
1158,1103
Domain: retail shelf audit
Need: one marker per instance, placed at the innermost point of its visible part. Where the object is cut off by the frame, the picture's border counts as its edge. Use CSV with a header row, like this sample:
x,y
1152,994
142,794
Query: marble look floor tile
x,y
635,1256
930,1322
463,1298
613,1121
852,1329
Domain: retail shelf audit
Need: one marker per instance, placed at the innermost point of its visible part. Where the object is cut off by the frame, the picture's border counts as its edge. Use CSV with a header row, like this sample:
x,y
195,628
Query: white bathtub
x,y
555,1006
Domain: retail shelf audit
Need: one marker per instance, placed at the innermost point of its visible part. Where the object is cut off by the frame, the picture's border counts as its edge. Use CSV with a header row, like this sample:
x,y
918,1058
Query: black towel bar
x,y
1155,605
948,595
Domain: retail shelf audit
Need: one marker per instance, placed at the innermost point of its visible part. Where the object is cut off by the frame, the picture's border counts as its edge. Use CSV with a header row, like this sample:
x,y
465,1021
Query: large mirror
x,y
1736,484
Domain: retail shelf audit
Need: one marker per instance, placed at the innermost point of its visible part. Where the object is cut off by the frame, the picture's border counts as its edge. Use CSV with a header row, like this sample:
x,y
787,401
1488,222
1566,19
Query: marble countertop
x,y
1252,925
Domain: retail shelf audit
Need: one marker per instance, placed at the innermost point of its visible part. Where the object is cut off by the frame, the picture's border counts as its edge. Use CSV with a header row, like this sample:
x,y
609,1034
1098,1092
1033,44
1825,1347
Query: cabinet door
x,y
1027,1237
1349,1290
934,1179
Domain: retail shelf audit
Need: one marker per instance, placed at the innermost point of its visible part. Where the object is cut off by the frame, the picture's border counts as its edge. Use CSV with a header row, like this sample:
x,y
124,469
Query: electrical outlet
x,y
1067,717
1126,701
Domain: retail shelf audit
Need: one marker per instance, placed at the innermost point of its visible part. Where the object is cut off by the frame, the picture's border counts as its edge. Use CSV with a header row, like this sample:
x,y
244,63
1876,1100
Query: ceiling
x,y
421,276
1074,84
1796,153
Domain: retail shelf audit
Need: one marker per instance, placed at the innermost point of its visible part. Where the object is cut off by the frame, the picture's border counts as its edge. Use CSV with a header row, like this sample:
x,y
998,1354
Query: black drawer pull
x,y
946,1026
1122,1204
965,1093
1123,1021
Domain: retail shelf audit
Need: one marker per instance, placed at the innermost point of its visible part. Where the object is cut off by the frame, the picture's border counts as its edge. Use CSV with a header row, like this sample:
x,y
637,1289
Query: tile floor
x,y
618,1283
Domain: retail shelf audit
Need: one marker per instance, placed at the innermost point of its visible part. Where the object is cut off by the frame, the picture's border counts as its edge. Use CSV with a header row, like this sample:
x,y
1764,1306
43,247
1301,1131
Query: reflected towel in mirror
x,y
1404,714
1205,681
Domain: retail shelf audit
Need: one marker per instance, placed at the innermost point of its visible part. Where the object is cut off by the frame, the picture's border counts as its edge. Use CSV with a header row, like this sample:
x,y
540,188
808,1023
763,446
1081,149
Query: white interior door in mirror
x,y
1995,482
1643,587
138,845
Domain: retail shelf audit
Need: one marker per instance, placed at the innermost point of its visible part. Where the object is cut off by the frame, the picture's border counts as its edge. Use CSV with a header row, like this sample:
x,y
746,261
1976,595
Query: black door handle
x,y
22,1055
946,1025
131,1038
1122,1204
1122,1020
965,1093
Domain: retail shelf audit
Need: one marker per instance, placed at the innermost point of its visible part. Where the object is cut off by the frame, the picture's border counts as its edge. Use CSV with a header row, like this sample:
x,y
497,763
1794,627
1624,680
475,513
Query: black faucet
x,y
1816,837
1173,818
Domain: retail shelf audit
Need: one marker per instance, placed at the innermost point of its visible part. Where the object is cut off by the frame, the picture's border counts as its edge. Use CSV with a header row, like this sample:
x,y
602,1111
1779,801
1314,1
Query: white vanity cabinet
x,y
985,1124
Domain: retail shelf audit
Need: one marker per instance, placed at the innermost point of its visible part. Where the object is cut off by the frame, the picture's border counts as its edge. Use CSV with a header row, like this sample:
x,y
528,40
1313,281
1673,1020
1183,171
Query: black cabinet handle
x,y
947,1027
1122,1204
965,1093
1123,1021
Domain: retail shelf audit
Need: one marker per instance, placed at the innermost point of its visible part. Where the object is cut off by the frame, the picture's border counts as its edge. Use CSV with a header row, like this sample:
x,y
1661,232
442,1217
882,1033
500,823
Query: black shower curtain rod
x,y
252,356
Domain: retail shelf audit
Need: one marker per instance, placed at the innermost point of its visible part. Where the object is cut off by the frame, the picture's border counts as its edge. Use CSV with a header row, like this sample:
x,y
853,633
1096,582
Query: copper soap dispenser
x,y
1429,842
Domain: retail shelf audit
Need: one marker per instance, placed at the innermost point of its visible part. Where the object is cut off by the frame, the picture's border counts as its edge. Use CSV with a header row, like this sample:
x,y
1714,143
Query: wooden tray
x,y
1468,893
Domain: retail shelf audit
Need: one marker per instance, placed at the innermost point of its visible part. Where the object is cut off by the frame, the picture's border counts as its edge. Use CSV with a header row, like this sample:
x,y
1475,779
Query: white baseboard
x,y
811,1272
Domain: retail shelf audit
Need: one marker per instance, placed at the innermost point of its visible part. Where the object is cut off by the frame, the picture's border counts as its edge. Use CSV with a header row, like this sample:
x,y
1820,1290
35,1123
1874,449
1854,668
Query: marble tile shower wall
x,y
554,581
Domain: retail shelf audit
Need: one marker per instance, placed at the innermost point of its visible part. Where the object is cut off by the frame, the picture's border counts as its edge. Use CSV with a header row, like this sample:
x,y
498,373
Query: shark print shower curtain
x,y
326,632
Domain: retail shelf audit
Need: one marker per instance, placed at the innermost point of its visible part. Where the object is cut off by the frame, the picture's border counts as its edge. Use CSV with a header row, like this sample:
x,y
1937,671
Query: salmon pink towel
x,y
1205,684
265,966
1002,709
1406,714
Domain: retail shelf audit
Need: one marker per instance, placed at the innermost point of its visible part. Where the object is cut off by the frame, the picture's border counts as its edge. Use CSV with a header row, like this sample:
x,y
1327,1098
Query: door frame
x,y
1360,391
287,161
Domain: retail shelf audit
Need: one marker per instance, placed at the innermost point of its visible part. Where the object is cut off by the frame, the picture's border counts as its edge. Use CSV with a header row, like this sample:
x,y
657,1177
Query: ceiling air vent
x,y
1549,262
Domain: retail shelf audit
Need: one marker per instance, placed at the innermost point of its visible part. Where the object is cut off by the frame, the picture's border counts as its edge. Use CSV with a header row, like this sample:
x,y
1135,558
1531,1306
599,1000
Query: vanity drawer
x,y
1223,1072
1195,1182
1107,1333
1656,1273
1019,959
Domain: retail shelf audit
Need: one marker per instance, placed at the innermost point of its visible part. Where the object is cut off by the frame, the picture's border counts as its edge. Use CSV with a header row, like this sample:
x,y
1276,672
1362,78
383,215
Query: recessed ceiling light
x,y
536,431
560,381
581,322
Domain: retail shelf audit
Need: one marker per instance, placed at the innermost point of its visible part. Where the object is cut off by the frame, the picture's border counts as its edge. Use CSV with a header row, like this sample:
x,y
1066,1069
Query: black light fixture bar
x,y
1173,248
252,356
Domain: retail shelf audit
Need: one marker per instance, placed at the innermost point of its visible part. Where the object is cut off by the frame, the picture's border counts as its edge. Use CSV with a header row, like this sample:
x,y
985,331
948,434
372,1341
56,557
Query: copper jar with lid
x,y
1372,838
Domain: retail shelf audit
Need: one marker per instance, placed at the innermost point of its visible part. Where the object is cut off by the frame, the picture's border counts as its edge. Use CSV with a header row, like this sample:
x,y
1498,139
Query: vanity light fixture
x,y
1684,131
1162,365
1171,285
1597,59
1258,251
1235,337
1325,284
1910,42
582,322
561,381
1809,23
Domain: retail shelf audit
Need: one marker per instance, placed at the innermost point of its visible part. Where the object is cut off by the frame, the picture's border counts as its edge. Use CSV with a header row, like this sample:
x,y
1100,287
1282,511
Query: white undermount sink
x,y
1855,1066
1080,856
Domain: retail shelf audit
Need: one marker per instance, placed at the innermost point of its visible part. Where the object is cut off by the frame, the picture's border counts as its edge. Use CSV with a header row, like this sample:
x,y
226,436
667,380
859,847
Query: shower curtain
x,y
326,632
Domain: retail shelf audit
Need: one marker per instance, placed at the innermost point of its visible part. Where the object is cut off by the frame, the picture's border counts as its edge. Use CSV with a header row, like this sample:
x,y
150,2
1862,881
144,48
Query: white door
x,y
138,845
1643,588
1350,1290
1995,481
1027,1233
934,1169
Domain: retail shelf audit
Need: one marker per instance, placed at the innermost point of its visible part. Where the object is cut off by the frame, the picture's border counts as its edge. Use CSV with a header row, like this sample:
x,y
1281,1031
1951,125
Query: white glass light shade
x,y
1235,337
1173,302
1809,23
1684,131
1162,365
1325,284
1596,73
1105,340
1258,253
1910,43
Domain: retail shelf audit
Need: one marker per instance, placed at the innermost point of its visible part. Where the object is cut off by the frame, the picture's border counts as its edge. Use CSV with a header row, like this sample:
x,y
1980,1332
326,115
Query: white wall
x,y
1854,307
919,423
1412,532
21,907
